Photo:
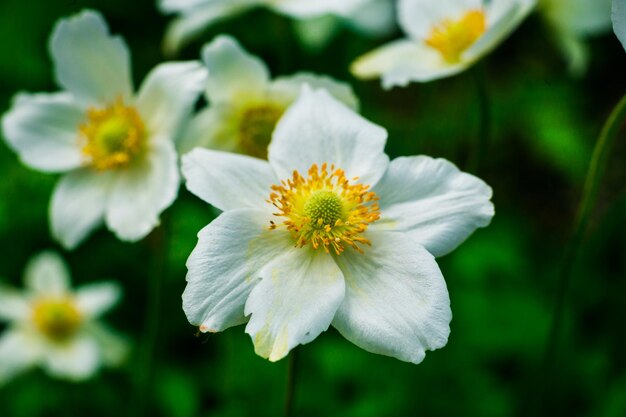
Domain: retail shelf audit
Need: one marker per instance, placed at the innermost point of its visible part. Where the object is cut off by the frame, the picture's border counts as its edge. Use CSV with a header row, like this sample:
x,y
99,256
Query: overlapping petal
x,y
288,88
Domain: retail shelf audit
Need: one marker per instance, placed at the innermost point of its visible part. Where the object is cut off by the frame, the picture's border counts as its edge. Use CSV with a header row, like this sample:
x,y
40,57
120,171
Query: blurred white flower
x,y
329,232
196,15
444,37
571,22
619,20
116,146
51,326
244,103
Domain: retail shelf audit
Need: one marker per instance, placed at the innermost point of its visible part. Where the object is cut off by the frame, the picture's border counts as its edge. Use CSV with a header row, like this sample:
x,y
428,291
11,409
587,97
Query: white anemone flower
x,y
244,103
116,147
329,231
56,328
196,15
444,37
619,20
572,21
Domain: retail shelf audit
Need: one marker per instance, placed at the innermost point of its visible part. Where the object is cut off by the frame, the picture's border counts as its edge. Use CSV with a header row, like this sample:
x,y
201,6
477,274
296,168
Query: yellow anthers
x,y
452,37
112,136
324,209
256,127
57,318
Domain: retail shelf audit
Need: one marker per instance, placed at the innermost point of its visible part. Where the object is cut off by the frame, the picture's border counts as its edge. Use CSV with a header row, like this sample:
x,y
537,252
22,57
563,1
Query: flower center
x,y
57,319
324,209
452,37
112,135
256,127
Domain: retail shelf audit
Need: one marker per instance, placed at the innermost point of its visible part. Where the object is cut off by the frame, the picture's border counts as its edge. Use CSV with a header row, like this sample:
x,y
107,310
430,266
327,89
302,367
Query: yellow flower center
x,y
112,136
452,37
324,209
256,127
57,319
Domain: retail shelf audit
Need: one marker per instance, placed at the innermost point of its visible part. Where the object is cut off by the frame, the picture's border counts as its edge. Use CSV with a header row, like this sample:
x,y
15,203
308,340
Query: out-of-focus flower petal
x,y
93,300
47,275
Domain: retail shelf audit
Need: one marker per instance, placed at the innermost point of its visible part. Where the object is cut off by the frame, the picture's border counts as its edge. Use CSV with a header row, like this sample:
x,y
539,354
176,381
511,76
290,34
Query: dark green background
x,y
502,281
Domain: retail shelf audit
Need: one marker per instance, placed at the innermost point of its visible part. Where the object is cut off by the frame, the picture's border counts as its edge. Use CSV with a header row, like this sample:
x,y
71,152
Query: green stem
x,y
601,153
484,130
292,374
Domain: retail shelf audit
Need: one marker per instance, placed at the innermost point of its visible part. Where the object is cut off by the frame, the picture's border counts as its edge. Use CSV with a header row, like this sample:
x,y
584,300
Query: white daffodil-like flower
x,y
328,231
619,20
444,38
51,326
197,15
244,103
572,21
116,146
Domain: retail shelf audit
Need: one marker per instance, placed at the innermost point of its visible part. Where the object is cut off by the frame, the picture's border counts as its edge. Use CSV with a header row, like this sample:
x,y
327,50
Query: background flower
x,y
619,20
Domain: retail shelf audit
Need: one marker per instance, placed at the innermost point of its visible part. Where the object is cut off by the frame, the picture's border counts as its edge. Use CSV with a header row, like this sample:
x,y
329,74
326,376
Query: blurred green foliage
x,y
501,281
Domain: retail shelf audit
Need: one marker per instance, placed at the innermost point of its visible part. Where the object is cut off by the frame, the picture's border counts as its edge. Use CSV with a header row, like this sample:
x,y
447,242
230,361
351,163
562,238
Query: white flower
x,y
116,146
197,15
619,20
51,326
571,21
244,103
444,37
329,232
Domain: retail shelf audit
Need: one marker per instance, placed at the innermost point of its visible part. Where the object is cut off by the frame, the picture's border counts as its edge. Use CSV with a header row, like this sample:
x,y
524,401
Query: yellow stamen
x,y
113,136
256,128
452,37
57,318
324,209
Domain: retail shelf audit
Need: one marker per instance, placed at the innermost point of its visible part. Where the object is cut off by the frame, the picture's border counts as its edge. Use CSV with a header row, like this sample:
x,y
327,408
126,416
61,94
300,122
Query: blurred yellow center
x,y
324,209
452,37
57,319
256,127
112,136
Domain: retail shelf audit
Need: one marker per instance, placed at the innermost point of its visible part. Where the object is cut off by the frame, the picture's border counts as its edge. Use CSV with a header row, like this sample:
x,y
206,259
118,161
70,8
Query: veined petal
x,y
89,62
402,61
224,267
433,202
18,352
214,127
396,301
287,89
168,95
43,130
318,129
142,191
76,360
46,274
78,204
93,300
13,305
228,181
294,302
234,73
418,17
618,16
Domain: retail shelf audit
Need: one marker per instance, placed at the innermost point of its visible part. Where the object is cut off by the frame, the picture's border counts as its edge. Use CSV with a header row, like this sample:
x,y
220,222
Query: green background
x,y
502,281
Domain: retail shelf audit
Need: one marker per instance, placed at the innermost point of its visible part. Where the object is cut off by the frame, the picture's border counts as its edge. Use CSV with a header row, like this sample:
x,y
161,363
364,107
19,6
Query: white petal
x,y
18,352
77,360
13,305
93,300
581,17
89,62
396,301
318,129
170,6
224,266
228,181
402,61
434,202
308,8
141,192
233,72
418,17
575,51
315,33
619,20
214,127
47,274
168,95
78,203
294,302
374,18
288,88
43,130
113,348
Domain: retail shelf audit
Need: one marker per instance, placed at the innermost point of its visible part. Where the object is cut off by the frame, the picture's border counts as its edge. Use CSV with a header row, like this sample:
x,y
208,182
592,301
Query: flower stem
x,y
292,374
601,152
484,131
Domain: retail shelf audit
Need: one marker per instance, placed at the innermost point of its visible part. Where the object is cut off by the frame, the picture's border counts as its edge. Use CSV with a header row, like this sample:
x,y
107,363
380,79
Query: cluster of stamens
x,y
57,319
324,209
452,37
112,136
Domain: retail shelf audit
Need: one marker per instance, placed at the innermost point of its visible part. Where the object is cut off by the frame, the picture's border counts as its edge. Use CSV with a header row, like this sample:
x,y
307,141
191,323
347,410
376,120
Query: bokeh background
x,y
502,281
